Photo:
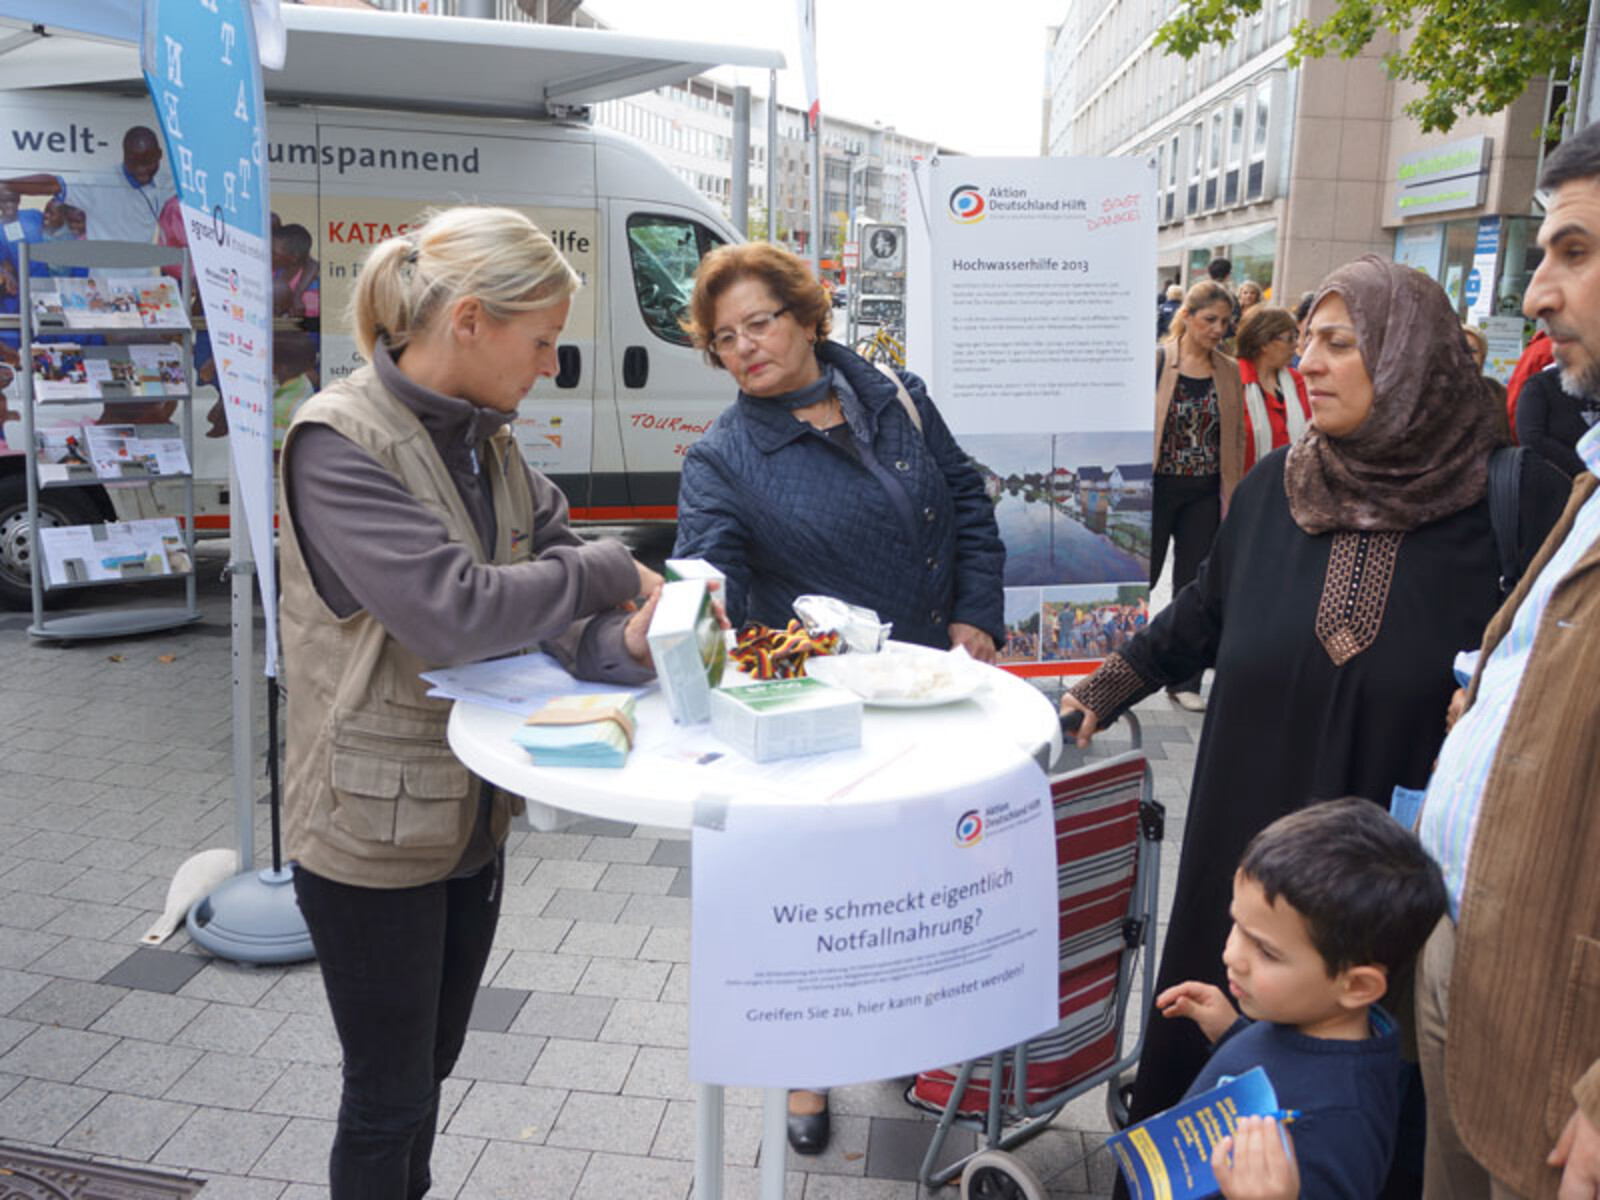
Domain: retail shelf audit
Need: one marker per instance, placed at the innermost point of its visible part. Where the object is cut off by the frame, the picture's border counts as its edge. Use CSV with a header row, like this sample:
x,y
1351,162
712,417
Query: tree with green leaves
x,y
1469,56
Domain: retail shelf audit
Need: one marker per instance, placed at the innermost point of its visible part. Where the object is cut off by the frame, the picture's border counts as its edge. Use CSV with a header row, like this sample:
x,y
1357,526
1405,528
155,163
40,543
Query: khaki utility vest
x,y
373,795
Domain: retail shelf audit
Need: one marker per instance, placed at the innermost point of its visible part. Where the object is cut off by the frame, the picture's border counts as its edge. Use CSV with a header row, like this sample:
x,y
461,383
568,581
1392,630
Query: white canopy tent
x,y
378,59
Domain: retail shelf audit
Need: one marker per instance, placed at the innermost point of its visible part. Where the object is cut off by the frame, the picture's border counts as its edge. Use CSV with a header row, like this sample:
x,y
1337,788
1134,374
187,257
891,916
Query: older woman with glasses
x,y
828,475
1277,409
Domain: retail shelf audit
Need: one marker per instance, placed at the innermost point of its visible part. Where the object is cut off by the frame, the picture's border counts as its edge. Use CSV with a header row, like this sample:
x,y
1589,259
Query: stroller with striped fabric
x,y
1108,839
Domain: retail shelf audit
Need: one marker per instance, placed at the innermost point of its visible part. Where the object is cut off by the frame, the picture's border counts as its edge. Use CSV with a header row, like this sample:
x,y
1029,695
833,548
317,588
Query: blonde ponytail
x,y
495,255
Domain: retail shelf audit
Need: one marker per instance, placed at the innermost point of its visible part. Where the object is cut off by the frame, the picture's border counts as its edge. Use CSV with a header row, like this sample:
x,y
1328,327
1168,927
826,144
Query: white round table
x,y
640,793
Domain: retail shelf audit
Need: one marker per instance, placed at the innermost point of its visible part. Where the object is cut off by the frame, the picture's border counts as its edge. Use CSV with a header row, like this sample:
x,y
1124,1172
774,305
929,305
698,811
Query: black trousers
x,y
401,967
1186,511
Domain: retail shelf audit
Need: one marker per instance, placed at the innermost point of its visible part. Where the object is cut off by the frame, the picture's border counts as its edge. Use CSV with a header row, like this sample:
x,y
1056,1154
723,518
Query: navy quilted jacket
x,y
907,531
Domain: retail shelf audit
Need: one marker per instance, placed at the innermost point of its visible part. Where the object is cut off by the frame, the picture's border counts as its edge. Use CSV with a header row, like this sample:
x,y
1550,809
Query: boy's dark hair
x,y
1576,158
1367,889
1219,269
1303,309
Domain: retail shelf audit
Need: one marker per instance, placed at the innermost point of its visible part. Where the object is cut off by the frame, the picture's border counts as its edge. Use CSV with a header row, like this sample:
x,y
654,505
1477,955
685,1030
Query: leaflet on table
x,y
1169,1155
110,302
518,683
136,451
115,550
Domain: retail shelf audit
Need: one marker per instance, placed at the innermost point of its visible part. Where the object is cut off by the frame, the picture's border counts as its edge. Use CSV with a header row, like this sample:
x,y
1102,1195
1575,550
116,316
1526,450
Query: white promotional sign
x,y
1042,270
1031,317
839,943
202,68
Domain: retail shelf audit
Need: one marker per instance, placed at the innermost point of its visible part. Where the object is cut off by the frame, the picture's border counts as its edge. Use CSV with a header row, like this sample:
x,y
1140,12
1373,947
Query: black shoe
x,y
809,1134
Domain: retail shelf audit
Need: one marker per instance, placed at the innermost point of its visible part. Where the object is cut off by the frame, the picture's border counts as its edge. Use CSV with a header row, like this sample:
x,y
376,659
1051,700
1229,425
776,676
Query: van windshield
x,y
666,252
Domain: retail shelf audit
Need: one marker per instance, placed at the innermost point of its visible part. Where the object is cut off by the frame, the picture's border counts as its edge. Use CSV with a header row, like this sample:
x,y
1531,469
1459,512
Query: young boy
x,y
1330,904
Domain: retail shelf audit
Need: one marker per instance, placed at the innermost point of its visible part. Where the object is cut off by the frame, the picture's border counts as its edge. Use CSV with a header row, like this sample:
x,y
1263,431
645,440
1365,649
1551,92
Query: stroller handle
x,y
1072,721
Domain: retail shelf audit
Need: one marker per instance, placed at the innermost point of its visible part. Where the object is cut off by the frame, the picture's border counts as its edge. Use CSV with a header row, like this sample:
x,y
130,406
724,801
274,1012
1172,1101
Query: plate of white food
x,y
902,675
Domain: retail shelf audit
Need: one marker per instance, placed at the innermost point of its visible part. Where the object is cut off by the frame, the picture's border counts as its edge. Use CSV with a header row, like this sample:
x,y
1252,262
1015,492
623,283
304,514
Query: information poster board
x,y
203,70
1036,288
835,943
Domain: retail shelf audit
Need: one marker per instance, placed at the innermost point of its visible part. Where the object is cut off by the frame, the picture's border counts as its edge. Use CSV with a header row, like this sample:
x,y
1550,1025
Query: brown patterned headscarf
x,y
1423,451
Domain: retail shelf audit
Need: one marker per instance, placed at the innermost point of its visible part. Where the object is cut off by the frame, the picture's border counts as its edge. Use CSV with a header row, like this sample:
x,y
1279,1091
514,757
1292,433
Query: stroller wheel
x,y
1119,1101
996,1175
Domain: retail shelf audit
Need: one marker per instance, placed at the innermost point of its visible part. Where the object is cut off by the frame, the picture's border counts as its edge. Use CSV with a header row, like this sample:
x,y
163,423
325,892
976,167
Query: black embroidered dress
x,y
1333,661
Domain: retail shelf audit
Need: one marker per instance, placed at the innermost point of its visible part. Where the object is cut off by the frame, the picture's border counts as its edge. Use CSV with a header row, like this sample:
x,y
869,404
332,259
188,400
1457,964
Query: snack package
x,y
779,653
859,628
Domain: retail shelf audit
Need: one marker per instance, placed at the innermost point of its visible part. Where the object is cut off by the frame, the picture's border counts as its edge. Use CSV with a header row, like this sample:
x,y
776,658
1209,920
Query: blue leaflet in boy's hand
x,y
1170,1154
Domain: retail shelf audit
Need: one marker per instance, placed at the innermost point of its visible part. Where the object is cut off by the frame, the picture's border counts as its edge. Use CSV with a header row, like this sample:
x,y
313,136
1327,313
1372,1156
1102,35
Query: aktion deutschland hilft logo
x,y
967,206
969,828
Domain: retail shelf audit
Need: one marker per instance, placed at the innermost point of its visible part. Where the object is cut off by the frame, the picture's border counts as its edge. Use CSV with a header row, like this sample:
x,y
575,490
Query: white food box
x,y
785,718
693,568
688,649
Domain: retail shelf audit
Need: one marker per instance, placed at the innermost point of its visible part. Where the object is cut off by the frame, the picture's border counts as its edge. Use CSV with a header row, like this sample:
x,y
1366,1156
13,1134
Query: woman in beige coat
x,y
1199,451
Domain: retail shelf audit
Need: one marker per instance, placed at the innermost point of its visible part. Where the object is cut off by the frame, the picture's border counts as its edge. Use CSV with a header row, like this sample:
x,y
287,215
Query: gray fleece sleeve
x,y
370,543
591,647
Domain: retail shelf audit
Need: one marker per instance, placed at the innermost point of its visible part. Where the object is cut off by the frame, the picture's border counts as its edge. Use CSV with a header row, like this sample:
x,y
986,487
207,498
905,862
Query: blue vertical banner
x,y
203,68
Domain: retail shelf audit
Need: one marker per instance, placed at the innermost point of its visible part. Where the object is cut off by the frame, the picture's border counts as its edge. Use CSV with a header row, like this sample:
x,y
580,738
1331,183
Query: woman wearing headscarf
x,y
1351,568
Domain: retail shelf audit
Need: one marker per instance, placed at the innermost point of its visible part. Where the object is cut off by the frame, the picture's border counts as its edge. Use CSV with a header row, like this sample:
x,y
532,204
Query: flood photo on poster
x,y
1072,507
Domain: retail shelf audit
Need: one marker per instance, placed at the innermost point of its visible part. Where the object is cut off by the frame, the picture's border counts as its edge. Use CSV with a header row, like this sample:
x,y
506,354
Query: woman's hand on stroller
x,y
1078,720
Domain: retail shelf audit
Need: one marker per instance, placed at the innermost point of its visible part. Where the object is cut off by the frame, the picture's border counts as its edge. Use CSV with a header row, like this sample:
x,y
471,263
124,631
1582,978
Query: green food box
x,y
693,568
785,718
688,649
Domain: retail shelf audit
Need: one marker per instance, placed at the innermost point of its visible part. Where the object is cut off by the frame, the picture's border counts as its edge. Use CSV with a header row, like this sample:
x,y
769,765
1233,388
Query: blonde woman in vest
x,y
414,536
1277,409
1199,450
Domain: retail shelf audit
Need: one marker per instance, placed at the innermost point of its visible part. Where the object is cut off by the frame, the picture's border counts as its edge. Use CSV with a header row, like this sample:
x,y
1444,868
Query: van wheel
x,y
16,541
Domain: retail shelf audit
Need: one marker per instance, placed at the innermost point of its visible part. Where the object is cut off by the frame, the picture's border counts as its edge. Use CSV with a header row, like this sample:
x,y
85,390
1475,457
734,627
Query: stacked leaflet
x,y
590,730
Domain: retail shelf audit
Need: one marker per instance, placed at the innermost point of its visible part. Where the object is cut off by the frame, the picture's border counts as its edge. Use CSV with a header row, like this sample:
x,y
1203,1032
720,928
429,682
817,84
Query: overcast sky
x,y
970,77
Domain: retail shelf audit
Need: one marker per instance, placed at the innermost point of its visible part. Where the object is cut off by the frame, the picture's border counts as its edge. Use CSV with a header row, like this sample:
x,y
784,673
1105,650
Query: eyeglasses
x,y
757,328
1288,337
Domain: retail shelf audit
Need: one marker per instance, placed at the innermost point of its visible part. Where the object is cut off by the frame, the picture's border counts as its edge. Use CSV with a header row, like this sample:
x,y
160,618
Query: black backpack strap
x,y
1505,494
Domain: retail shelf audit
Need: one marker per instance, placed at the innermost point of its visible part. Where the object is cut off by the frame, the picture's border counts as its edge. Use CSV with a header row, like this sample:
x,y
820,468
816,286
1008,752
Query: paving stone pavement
x,y
115,765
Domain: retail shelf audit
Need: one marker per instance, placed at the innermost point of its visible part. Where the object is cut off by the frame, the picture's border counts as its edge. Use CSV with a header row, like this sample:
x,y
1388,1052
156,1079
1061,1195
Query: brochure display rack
x,y
114,330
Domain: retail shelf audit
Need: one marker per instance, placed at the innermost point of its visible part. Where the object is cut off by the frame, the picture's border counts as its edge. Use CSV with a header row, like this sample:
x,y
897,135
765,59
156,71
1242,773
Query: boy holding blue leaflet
x,y
1330,904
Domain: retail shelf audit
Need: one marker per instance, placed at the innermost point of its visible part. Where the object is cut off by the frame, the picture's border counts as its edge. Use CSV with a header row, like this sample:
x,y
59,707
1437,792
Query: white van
x,y
632,395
